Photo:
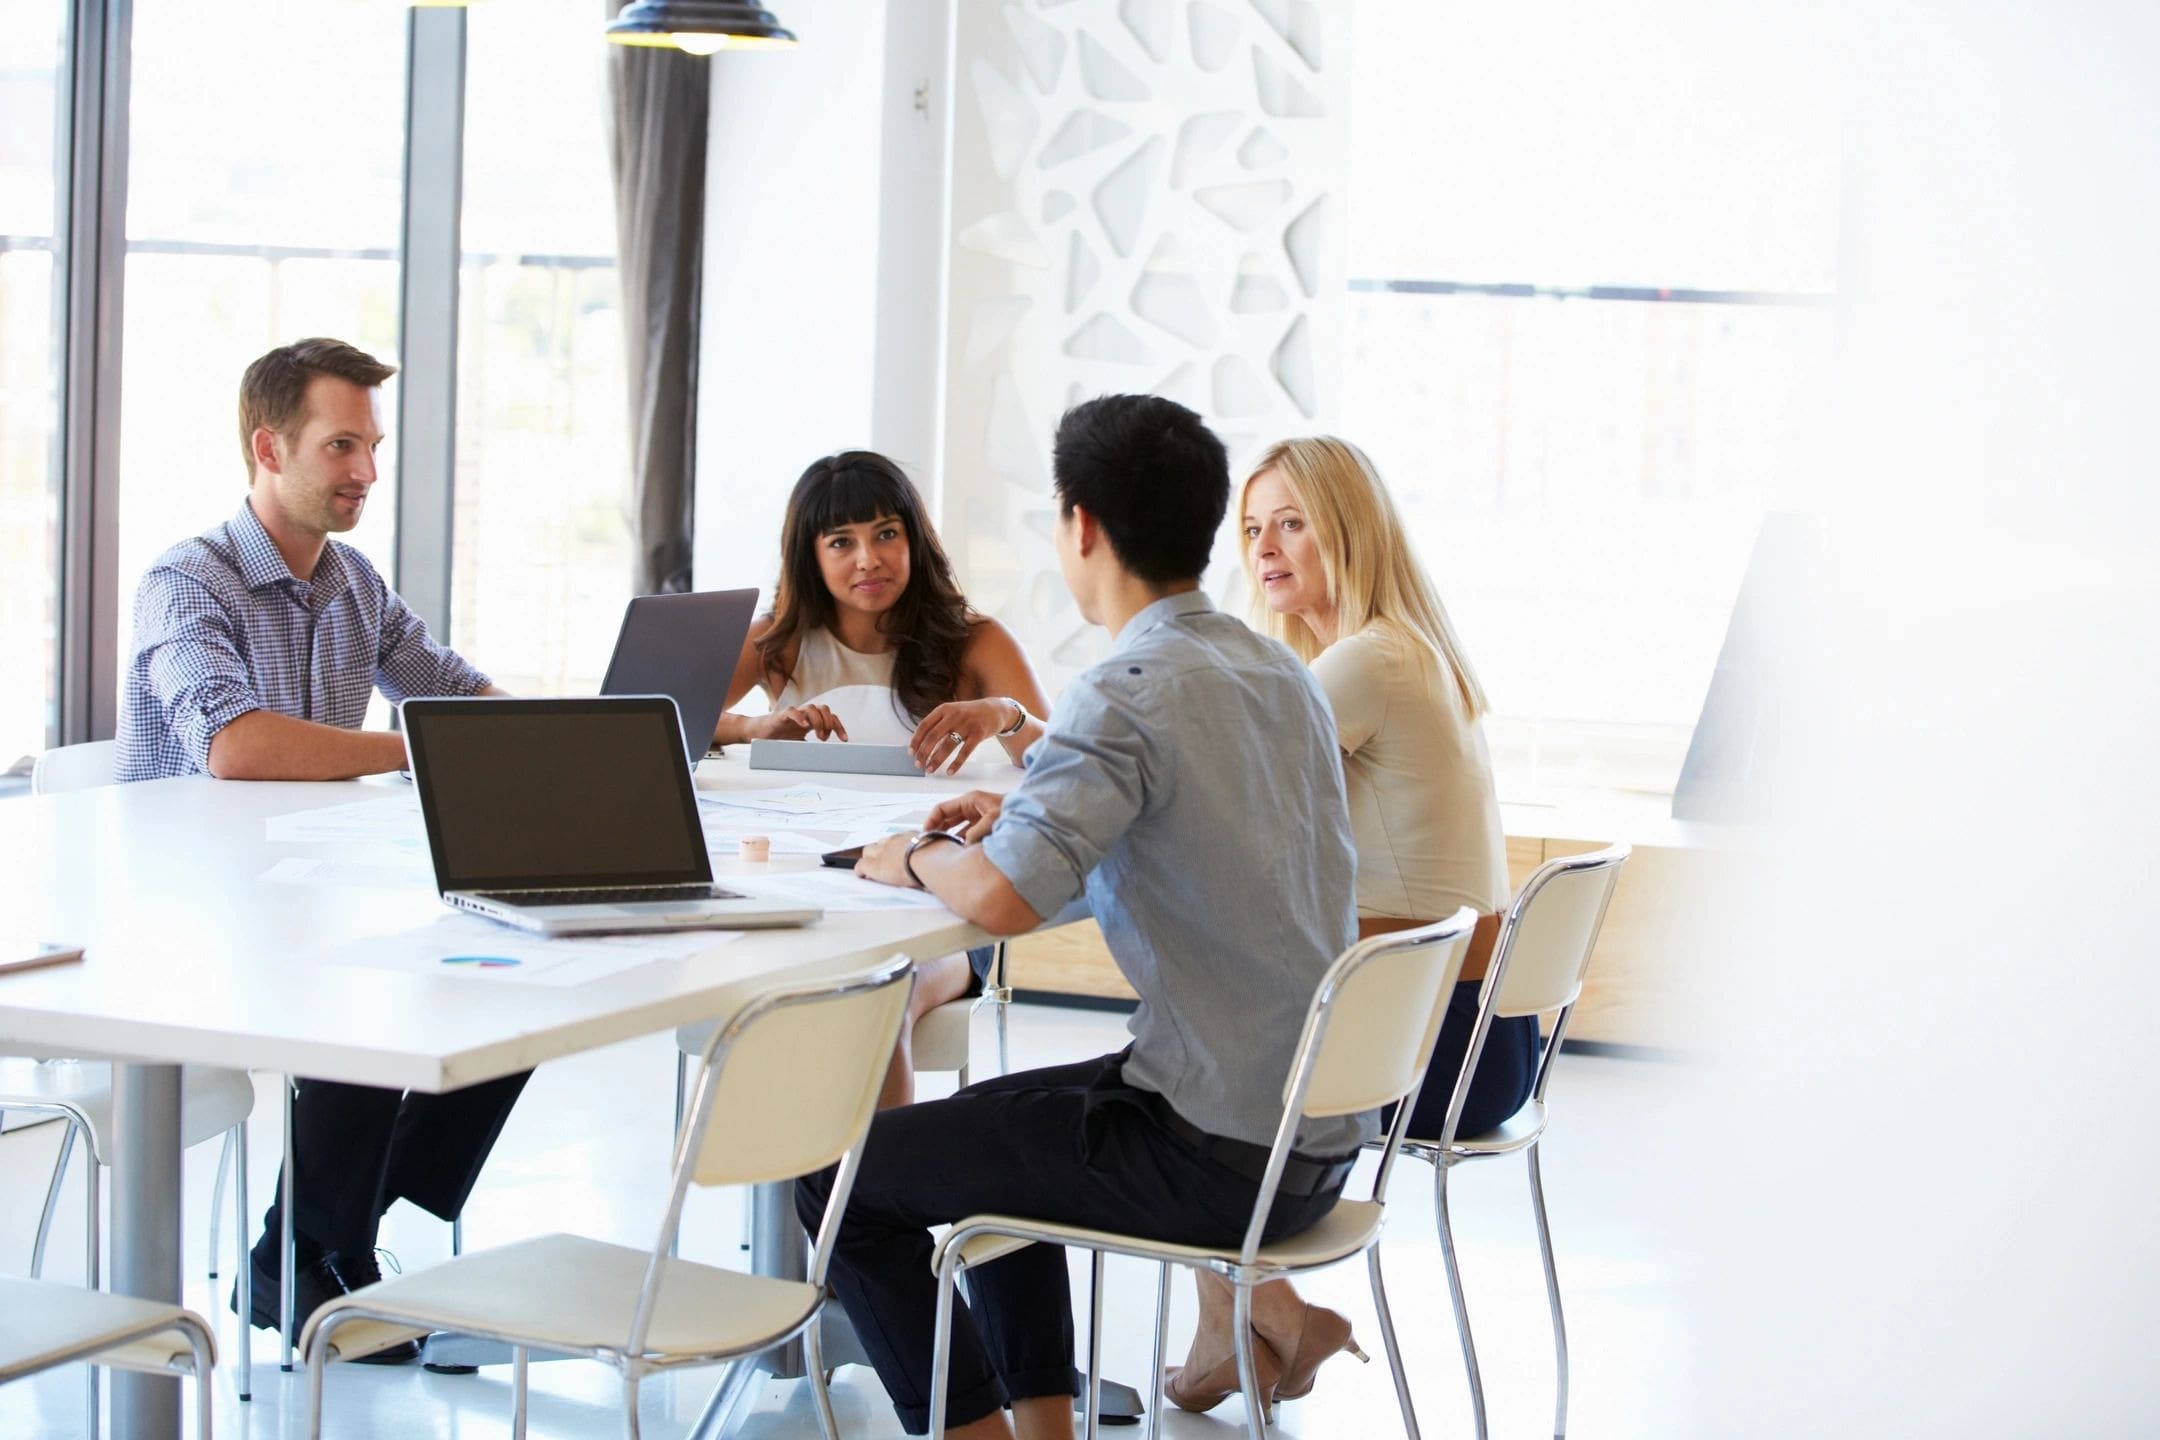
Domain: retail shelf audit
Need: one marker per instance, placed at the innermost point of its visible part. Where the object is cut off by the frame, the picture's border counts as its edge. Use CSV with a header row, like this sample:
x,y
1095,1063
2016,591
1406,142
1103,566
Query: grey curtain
x,y
660,105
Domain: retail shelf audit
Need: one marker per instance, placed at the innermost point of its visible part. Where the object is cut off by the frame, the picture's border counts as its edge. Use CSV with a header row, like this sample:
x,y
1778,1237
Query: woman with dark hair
x,y
870,639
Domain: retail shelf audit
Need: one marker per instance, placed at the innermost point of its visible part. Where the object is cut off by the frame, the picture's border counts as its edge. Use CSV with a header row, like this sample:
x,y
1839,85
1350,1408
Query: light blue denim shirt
x,y
1190,785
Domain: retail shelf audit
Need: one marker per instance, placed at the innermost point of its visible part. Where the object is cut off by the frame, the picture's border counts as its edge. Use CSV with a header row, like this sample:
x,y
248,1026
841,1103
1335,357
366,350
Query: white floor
x,y
586,1151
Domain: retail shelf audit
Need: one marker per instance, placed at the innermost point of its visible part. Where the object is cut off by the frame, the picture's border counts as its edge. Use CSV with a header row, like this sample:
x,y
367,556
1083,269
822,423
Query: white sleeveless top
x,y
856,687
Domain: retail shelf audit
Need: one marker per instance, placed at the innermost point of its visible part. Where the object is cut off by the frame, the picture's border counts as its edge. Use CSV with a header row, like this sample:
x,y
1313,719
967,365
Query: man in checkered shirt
x,y
257,645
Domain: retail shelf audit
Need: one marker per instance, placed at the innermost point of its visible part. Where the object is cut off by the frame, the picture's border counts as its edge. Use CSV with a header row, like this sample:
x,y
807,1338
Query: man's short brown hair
x,y
273,392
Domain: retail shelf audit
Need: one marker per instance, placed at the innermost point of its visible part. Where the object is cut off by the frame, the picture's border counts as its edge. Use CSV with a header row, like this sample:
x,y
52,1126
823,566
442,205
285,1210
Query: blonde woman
x,y
1333,577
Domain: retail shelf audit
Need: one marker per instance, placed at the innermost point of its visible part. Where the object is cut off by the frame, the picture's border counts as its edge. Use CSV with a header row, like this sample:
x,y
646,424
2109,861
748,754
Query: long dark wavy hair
x,y
928,624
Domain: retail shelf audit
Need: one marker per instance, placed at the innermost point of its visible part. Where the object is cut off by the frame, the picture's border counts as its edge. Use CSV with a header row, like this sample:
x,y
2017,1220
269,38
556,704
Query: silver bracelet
x,y
1020,720
957,835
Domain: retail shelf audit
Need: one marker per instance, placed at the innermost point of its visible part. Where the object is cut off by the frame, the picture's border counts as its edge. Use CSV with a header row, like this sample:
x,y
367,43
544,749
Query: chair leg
x,y
198,1338
1256,1408
52,1195
1094,1375
1552,1296
682,1085
244,1342
1162,1338
91,1373
941,1348
217,1203
1455,1293
286,1262
1004,1004
519,1361
318,1354
1394,1346
629,1406
820,1387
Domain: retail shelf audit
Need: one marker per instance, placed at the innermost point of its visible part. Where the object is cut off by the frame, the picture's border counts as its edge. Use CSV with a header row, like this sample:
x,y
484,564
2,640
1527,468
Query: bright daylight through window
x,y
1586,475
541,554
32,52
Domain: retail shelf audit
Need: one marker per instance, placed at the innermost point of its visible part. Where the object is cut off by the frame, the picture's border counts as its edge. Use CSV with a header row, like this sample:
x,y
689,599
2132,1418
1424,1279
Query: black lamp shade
x,y
701,27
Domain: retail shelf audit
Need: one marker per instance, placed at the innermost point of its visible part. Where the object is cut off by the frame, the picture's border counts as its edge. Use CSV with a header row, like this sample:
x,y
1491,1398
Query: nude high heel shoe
x,y
1323,1333
1206,1390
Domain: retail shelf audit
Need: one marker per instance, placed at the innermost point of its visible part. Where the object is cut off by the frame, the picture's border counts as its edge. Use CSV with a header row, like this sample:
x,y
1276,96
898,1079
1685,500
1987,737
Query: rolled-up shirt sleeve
x,y
410,663
192,660
1087,780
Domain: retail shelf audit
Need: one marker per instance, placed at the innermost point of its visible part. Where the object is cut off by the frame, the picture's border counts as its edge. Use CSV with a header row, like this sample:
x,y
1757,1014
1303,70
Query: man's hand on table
x,y
885,861
977,810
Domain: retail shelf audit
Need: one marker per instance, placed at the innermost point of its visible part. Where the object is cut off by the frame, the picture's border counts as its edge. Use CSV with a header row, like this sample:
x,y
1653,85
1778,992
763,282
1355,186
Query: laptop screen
x,y
524,794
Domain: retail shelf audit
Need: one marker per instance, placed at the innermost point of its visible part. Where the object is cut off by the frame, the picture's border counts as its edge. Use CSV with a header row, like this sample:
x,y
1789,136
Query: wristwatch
x,y
1020,717
957,835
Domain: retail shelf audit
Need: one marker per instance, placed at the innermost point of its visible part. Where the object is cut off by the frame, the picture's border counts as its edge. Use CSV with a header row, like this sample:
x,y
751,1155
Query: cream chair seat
x,y
1369,1032
1538,964
43,1325
787,1087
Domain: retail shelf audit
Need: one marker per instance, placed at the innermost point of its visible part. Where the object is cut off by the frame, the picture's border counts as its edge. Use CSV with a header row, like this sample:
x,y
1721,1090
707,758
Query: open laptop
x,y
684,646
570,817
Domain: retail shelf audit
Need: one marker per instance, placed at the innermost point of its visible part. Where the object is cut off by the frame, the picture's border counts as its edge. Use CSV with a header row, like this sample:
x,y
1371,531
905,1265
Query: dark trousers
x,y
1072,1144
1507,1068
357,1150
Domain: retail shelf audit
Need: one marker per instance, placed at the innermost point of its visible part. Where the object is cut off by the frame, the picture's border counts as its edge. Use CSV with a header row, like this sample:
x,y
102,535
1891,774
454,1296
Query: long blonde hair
x,y
1377,580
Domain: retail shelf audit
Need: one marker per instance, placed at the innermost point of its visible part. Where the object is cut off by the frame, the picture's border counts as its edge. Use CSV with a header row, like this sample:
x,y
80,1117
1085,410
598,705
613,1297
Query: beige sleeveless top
x,y
1419,781
854,686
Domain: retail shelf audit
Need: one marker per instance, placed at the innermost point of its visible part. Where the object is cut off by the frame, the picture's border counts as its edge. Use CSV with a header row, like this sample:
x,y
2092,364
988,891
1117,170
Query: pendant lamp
x,y
702,27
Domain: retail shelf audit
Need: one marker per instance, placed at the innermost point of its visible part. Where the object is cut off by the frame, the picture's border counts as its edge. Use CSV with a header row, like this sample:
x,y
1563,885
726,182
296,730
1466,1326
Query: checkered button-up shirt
x,y
222,627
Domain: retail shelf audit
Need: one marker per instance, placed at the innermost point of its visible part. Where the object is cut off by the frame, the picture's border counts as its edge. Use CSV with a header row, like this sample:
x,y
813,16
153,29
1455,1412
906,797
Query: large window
x,y
541,555
32,55
1587,346
264,200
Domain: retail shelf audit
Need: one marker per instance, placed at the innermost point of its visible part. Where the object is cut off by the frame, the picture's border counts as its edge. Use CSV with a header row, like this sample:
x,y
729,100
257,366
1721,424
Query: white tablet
x,y
832,756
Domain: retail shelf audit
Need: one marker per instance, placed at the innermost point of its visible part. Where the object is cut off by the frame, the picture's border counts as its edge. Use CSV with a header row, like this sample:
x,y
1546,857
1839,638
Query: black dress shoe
x,y
357,1272
317,1282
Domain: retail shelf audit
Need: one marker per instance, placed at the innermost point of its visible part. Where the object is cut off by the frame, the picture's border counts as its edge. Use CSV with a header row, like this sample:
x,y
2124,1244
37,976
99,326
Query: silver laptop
x,y
684,646
570,817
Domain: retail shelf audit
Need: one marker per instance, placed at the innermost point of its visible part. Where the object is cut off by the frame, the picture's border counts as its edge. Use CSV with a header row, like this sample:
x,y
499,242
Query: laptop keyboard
x,y
628,895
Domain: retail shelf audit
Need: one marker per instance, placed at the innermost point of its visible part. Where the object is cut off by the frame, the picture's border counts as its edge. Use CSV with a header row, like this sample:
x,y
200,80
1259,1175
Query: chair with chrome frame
x,y
1538,964
44,1324
214,1102
787,1087
1368,1034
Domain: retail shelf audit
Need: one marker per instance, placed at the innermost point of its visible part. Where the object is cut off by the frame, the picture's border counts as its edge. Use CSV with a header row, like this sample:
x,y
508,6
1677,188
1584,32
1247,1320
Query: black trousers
x,y
357,1150
1073,1144
1507,1068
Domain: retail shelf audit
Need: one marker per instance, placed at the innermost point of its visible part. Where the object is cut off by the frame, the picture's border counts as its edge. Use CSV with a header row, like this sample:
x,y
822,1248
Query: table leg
x,y
146,1229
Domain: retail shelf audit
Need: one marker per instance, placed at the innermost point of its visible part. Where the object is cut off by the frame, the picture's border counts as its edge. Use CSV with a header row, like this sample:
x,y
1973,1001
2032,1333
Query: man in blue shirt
x,y
257,645
1191,788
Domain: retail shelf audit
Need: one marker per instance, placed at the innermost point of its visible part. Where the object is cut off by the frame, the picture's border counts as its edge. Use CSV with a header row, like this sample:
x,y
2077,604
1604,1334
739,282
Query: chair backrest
x,y
1550,930
1373,1021
790,1083
73,767
787,1086
1368,1035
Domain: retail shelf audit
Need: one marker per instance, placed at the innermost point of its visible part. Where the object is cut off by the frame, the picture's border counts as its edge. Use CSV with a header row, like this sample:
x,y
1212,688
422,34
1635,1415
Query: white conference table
x,y
194,957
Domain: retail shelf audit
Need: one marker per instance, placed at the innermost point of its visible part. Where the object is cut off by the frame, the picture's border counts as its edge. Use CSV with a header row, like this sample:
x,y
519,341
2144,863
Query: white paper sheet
x,y
465,947
392,821
833,889
383,869
809,807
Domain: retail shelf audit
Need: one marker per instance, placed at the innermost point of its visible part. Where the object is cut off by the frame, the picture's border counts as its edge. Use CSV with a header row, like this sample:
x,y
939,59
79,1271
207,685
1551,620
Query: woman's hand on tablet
x,y
798,722
950,733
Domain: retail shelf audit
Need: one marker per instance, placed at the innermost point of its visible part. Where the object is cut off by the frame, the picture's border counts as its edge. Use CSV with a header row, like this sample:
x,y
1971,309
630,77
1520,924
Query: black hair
x,y
928,624
1152,473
